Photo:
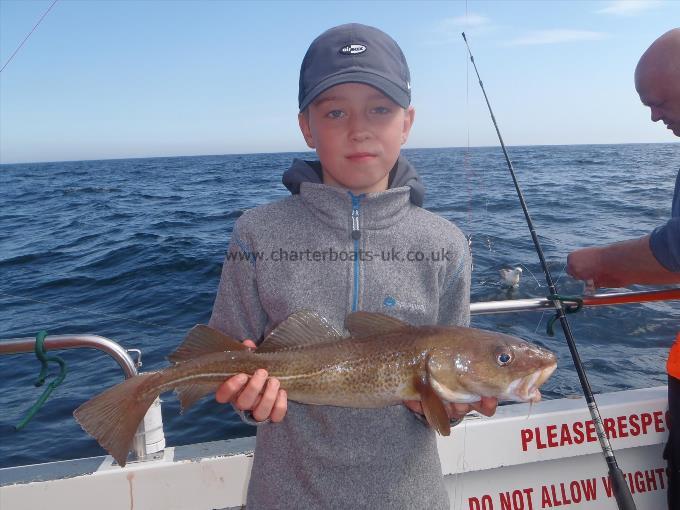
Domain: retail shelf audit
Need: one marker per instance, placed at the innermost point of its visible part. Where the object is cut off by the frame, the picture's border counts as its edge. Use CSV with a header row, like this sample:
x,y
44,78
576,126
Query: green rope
x,y
568,308
41,354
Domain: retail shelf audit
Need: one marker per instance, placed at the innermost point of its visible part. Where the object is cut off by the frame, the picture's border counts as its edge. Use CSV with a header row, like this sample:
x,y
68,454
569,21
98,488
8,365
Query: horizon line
x,y
313,152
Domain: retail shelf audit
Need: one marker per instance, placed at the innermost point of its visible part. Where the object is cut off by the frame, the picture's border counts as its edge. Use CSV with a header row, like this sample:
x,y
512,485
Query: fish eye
x,y
503,358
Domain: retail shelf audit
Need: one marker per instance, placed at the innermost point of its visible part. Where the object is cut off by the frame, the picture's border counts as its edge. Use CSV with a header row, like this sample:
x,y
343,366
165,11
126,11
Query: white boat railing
x,y
605,299
149,438
58,342
512,305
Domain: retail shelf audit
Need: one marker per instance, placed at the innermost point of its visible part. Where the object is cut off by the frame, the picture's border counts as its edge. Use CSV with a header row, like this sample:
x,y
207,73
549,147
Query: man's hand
x,y
585,264
260,394
619,265
486,406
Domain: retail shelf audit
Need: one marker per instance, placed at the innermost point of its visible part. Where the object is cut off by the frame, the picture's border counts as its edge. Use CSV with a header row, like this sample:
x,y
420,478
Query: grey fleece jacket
x,y
326,250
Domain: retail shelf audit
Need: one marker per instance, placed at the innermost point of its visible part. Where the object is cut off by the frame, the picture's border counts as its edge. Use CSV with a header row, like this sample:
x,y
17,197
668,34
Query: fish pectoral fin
x,y
201,340
189,394
301,329
433,406
366,323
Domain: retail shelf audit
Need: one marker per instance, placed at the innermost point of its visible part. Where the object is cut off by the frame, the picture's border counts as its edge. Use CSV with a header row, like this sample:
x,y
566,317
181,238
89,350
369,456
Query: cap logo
x,y
352,49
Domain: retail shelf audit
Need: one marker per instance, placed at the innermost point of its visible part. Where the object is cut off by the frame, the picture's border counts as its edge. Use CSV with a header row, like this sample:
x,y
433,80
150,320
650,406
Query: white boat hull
x,y
519,459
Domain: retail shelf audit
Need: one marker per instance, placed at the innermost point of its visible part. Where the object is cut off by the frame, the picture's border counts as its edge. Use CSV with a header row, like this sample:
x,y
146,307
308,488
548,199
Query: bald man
x,y
655,258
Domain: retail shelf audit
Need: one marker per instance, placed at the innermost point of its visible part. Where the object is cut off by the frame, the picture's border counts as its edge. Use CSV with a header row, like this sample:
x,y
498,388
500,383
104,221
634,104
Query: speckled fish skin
x,y
384,363
376,371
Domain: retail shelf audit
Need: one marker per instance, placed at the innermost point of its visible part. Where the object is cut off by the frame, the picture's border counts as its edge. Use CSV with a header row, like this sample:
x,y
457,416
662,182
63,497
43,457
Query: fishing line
x,y
562,273
539,322
466,166
466,155
29,35
532,275
472,178
463,466
624,500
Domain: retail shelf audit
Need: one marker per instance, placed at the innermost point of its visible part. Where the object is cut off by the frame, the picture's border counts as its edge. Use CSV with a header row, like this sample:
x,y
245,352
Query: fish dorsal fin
x,y
366,323
301,329
433,407
203,339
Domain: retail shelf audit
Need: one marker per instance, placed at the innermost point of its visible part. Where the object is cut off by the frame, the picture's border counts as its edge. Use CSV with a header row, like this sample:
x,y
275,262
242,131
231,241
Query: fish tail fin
x,y
113,416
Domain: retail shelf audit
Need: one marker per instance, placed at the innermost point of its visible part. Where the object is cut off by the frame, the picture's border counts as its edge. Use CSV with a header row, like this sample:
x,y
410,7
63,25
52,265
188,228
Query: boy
x,y
351,237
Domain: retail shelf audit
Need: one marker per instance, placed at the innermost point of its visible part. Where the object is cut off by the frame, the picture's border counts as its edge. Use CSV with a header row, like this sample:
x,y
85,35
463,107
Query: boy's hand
x,y
486,406
259,394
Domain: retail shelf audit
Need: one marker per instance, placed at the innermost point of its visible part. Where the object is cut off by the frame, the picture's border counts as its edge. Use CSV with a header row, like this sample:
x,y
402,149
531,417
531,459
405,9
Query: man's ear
x,y
303,121
409,117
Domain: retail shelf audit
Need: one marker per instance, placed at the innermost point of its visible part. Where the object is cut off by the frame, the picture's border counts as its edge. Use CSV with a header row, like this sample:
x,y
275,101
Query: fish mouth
x,y
525,389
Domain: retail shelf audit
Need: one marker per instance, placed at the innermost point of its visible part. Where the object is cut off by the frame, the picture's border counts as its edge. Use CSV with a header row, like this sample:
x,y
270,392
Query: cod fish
x,y
383,362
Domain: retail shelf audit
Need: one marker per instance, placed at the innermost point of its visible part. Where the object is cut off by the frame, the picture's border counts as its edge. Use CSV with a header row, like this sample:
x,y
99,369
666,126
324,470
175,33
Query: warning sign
x,y
567,493
579,432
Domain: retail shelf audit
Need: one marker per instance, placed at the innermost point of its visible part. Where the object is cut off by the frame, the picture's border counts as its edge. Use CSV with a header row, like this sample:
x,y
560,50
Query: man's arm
x,y
619,265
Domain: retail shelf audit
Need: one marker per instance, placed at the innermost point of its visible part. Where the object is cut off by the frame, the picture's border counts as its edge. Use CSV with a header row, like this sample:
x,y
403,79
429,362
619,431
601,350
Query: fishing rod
x,y
605,299
28,35
624,500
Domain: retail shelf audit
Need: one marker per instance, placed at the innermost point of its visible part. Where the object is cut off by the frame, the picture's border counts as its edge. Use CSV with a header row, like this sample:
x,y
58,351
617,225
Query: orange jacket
x,y
673,363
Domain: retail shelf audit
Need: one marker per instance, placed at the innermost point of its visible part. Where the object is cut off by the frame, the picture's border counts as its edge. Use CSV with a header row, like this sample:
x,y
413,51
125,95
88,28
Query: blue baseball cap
x,y
354,53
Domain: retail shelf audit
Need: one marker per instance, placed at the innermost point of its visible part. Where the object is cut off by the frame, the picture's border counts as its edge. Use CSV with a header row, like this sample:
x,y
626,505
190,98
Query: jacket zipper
x,y
356,235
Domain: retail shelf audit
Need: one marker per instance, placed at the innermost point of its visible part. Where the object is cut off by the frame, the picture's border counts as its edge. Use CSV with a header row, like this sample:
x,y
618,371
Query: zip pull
x,y
356,232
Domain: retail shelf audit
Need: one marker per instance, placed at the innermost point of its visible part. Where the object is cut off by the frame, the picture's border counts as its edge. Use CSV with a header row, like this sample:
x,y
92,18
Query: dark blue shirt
x,y
665,240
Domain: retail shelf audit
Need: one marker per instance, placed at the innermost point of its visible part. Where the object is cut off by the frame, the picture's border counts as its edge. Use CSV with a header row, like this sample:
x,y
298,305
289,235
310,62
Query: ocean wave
x,y
90,189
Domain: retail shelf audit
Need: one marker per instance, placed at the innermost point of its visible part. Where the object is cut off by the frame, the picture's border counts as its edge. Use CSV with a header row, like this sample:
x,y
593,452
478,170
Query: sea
x,y
131,249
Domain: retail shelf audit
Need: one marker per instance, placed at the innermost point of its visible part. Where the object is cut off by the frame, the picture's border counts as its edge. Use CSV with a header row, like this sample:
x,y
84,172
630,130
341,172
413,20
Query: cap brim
x,y
394,92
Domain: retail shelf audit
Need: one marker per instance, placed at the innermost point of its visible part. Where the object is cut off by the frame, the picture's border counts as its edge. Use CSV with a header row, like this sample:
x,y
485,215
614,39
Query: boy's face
x,y
357,132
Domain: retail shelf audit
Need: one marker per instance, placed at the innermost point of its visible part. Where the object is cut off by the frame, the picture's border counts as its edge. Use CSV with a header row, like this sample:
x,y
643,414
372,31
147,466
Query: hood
x,y
402,174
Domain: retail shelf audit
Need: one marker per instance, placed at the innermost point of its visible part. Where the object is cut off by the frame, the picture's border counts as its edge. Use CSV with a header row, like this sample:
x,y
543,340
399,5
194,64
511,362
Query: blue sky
x,y
112,79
